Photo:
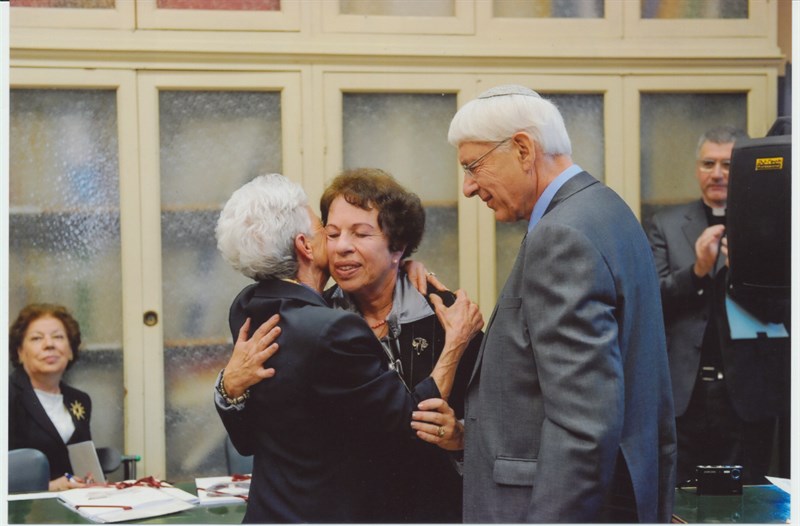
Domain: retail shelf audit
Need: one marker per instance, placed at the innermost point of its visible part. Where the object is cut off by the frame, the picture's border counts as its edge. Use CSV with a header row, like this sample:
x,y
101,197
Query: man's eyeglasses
x,y
707,165
471,166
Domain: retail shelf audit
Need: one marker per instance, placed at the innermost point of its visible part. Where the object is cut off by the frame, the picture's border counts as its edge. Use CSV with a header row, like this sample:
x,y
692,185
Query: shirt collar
x,y
547,196
408,304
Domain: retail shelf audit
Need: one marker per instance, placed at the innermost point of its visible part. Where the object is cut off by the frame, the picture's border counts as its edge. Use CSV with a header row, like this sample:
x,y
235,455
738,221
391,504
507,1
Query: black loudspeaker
x,y
759,225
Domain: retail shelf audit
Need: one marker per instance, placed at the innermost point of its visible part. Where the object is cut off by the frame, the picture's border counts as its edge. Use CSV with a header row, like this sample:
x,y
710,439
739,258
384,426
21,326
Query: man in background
x,y
686,242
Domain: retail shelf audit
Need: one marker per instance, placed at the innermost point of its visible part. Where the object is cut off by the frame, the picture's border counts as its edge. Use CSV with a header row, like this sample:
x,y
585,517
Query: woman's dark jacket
x,y
427,484
30,427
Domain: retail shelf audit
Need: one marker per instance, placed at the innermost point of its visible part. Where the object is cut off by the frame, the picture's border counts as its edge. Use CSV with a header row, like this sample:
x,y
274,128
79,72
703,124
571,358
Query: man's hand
x,y
246,365
420,277
461,321
723,246
706,249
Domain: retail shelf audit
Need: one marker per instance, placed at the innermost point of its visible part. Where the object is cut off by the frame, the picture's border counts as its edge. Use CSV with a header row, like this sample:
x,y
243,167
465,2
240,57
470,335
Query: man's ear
x,y
526,147
302,246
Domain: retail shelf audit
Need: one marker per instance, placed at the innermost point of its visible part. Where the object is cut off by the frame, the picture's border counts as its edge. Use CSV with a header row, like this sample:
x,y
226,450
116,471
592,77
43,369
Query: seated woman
x,y
44,412
372,223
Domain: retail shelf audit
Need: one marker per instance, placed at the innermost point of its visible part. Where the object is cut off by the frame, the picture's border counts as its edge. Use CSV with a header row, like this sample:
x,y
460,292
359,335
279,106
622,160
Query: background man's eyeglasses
x,y
707,165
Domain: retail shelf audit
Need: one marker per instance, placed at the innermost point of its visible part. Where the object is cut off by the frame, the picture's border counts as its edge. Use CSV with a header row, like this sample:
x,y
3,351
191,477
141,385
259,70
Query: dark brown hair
x,y
400,212
31,313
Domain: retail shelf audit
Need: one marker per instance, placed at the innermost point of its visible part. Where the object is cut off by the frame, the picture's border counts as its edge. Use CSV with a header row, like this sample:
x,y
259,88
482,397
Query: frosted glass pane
x,y
398,7
227,5
64,235
672,9
211,144
548,8
406,135
583,117
671,124
78,4
195,434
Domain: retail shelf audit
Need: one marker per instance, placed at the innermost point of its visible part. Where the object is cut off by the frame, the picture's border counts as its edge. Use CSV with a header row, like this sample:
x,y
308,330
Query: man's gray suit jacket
x,y
572,372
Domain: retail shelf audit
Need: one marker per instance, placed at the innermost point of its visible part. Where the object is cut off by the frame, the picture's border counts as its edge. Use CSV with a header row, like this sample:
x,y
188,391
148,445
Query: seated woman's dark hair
x,y
401,215
31,313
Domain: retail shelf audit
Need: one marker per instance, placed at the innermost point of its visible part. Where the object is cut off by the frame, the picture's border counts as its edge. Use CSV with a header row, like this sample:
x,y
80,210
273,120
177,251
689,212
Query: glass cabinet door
x,y
405,134
548,8
214,133
664,121
64,232
413,17
693,9
211,143
702,19
117,14
584,118
215,15
671,125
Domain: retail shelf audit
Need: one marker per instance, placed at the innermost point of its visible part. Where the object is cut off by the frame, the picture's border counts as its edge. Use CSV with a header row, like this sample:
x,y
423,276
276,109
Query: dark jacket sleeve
x,y
349,377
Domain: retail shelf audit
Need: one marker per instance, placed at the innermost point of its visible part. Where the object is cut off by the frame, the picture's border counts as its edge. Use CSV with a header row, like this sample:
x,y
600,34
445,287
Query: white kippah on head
x,y
508,89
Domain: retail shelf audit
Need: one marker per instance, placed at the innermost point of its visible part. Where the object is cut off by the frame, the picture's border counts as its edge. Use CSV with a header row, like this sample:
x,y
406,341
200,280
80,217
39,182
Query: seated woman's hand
x,y
67,482
435,422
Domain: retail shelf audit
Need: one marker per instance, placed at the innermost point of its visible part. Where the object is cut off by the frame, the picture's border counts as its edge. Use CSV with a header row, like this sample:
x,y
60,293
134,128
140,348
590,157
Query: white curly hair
x,y
257,227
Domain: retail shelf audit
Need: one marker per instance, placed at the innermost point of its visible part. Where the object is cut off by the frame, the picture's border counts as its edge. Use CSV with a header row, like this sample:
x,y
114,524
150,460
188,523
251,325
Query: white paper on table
x,y
109,504
179,494
221,490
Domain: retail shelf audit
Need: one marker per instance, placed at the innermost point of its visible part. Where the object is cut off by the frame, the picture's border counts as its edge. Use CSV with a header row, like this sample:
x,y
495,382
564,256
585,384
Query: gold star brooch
x,y
77,410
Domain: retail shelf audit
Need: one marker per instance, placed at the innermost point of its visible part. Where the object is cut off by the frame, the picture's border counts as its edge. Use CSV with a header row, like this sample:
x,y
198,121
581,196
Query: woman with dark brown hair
x,y
44,412
372,224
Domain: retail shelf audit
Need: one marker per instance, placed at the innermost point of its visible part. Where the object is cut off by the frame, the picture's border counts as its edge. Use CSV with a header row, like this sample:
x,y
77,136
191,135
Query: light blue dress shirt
x,y
541,205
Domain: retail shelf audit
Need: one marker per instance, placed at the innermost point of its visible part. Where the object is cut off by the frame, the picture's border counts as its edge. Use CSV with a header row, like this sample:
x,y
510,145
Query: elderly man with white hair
x,y
569,413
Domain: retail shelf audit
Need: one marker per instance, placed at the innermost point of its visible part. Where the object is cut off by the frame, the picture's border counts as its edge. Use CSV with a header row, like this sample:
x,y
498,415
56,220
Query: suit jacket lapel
x,y
696,223
479,358
577,183
32,404
491,319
